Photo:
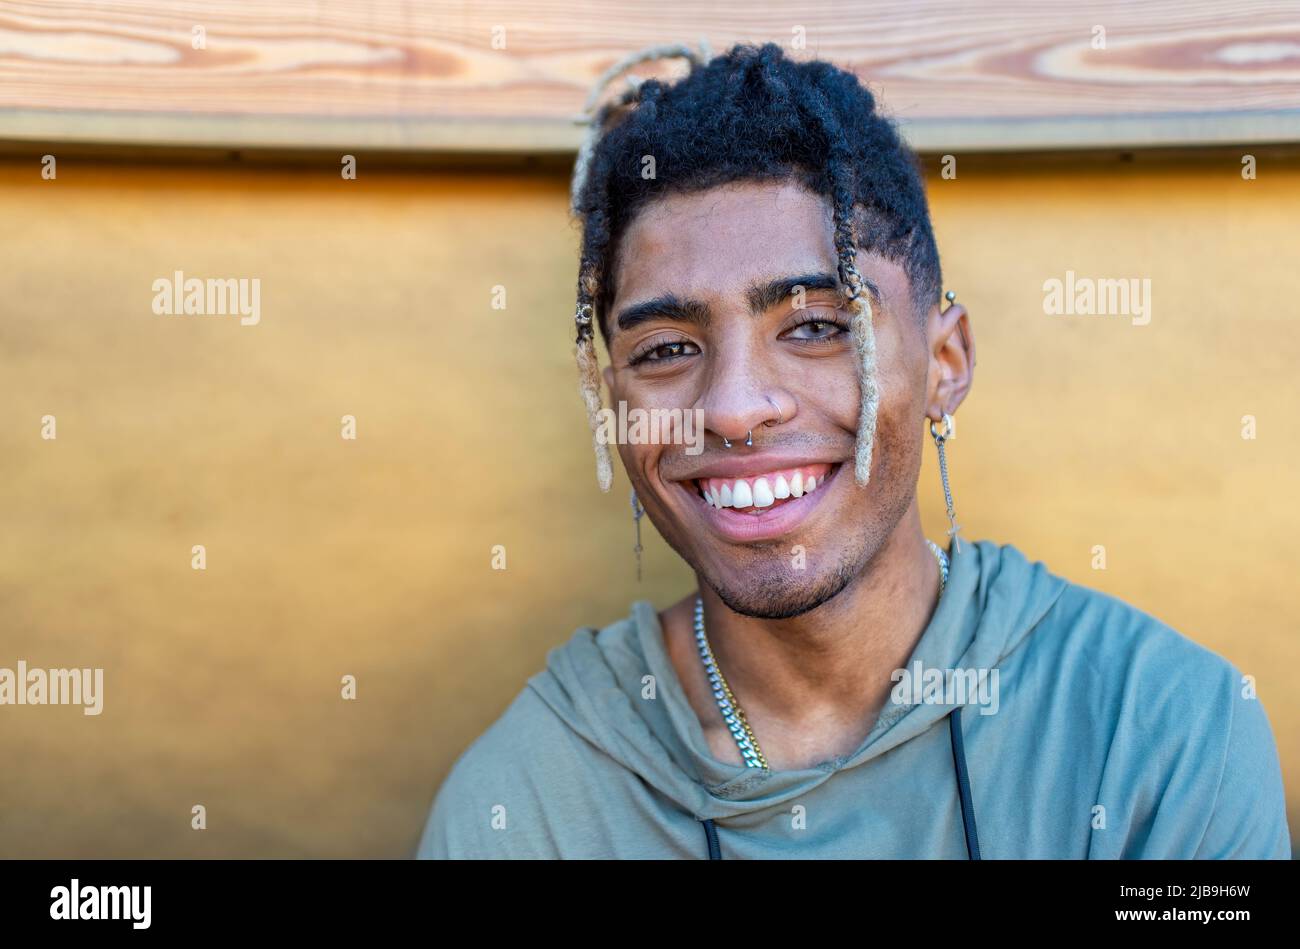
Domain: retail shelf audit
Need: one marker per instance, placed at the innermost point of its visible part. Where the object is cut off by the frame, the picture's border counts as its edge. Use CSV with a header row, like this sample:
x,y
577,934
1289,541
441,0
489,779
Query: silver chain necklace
x,y
732,713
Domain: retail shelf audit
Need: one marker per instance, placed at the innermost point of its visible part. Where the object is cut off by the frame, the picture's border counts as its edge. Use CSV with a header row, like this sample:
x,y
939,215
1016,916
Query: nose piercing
x,y
780,416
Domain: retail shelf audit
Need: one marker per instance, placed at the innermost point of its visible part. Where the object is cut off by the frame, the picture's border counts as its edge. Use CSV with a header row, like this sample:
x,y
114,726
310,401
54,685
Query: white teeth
x,y
759,492
741,495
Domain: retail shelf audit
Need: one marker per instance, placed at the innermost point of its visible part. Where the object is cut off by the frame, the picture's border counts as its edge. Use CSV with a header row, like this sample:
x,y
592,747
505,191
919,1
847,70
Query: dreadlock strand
x,y
862,331
595,119
589,387
839,167
584,317
595,231
864,344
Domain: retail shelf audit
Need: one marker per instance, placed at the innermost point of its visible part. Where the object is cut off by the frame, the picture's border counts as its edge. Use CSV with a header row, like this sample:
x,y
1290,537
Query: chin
x,y
781,597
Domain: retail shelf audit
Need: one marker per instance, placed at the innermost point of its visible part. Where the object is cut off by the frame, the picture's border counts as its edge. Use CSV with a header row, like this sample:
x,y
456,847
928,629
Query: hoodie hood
x,y
597,683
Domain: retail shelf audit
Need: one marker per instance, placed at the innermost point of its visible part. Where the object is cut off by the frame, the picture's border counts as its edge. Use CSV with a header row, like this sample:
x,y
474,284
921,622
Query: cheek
x,y
896,455
825,390
836,393
898,445
676,391
901,371
641,459
896,439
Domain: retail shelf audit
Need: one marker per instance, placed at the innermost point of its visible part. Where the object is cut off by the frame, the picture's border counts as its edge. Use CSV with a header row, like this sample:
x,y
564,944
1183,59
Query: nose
x,y
739,397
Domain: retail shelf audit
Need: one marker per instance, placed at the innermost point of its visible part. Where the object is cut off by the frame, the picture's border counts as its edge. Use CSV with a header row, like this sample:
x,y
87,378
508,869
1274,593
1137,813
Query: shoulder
x,y
473,809
1124,652
1184,728
1066,633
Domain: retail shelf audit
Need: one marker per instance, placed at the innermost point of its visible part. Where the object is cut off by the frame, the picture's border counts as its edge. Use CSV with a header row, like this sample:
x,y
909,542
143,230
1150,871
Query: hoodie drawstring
x,y
963,795
963,784
711,838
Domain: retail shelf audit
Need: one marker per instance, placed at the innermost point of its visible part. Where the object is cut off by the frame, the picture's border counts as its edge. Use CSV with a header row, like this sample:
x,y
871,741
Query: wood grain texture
x,y
425,75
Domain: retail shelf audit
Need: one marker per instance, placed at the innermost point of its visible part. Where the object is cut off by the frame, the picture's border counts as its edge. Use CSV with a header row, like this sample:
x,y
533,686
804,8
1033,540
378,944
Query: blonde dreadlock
x,y
858,303
588,283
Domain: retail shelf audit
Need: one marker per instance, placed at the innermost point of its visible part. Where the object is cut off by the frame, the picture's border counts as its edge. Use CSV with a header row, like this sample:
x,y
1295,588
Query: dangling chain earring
x,y
949,431
637,511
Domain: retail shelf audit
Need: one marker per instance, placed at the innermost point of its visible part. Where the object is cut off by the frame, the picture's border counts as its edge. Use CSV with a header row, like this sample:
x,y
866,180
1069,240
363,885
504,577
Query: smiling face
x,y
705,314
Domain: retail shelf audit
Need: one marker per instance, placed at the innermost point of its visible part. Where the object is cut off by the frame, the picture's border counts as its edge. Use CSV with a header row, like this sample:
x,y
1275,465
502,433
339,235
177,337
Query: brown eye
x,y
663,352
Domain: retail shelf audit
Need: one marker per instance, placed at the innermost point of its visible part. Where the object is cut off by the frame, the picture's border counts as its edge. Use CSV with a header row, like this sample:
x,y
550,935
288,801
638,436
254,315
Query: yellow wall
x,y
372,558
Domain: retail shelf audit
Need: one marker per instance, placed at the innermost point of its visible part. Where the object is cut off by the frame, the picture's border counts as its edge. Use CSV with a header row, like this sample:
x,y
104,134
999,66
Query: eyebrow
x,y
666,306
760,297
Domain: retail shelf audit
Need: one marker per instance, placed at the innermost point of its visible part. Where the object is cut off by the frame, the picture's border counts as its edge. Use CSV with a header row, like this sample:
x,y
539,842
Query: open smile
x,y
761,505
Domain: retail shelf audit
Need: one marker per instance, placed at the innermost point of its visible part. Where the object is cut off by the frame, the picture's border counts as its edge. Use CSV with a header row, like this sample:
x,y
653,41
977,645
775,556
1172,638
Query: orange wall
x,y
371,557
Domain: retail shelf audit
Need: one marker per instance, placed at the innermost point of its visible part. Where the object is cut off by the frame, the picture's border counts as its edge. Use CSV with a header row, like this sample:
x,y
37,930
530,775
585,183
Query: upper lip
x,y
741,466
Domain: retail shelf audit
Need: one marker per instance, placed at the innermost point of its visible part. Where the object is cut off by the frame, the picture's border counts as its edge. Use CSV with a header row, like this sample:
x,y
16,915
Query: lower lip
x,y
768,523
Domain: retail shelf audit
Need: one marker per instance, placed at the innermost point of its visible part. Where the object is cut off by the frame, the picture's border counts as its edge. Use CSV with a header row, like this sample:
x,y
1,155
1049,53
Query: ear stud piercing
x,y
951,297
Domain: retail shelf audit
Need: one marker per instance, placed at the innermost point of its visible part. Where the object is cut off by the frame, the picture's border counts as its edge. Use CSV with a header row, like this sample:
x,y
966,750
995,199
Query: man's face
x,y
703,317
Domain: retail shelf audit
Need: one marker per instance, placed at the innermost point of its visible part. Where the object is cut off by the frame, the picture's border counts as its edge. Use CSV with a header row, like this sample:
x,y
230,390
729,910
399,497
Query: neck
x,y
812,686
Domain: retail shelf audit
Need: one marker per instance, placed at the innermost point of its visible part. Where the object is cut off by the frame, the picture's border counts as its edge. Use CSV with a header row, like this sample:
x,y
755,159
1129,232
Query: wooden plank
x,y
395,74
548,138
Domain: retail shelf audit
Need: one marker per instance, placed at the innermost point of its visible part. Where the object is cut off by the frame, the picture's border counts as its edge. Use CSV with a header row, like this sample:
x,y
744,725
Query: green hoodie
x,y
1099,732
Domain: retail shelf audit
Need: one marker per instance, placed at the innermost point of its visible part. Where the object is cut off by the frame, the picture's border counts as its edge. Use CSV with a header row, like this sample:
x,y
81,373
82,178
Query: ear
x,y
952,360
608,375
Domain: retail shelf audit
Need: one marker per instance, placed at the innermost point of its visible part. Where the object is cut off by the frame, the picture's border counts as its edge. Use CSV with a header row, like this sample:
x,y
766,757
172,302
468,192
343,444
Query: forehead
x,y
714,243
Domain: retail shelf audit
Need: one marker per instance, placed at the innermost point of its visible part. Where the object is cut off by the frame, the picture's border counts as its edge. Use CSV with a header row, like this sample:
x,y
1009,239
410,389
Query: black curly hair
x,y
753,114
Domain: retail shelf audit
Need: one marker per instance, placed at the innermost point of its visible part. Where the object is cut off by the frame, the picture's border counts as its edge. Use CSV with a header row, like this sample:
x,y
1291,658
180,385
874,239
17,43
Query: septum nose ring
x,y
749,435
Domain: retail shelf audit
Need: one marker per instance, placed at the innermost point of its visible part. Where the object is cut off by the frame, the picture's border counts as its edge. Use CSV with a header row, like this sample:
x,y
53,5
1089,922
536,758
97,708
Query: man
x,y
839,687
